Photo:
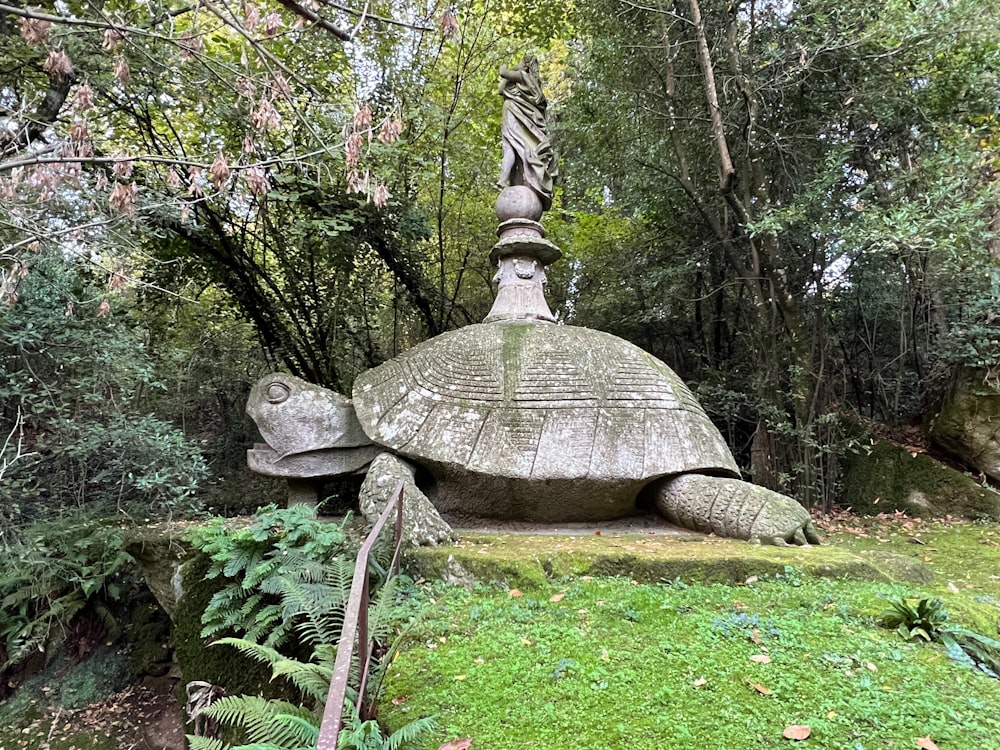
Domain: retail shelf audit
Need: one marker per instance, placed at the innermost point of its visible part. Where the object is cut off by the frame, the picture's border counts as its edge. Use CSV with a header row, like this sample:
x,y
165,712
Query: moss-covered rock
x,y
197,658
888,478
148,637
529,562
968,421
160,551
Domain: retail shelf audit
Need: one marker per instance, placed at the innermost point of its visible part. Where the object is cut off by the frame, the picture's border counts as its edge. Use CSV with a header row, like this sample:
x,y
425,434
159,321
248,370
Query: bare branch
x,y
87,23
6,460
381,19
317,19
41,158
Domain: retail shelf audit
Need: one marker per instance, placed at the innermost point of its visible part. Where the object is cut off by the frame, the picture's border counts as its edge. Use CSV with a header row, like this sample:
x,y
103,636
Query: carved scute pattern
x,y
539,401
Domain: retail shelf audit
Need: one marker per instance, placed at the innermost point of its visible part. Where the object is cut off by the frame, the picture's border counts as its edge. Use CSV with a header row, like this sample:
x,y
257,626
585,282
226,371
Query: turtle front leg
x,y
735,509
422,524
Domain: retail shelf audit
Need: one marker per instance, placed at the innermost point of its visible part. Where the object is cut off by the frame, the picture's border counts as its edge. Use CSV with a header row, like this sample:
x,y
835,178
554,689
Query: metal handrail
x,y
356,627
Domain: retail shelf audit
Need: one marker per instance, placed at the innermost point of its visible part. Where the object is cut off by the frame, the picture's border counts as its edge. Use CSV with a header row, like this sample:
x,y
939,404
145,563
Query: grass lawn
x,y
602,663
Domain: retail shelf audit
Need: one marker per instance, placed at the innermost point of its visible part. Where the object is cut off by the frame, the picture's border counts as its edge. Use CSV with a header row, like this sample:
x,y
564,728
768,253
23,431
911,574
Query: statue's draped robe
x,y
528,156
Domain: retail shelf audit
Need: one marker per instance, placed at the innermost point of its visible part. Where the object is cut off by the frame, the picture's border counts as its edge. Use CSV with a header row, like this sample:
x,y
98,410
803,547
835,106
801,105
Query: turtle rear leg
x,y
734,508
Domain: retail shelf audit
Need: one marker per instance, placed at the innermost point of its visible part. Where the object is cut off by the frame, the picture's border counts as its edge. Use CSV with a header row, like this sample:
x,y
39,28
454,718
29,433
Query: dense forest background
x,y
793,204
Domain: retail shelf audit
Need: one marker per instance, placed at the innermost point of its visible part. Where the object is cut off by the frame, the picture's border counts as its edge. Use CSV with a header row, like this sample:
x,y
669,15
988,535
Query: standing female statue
x,y
528,158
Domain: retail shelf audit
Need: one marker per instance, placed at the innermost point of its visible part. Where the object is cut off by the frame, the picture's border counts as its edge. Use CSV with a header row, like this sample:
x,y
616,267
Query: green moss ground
x,y
582,661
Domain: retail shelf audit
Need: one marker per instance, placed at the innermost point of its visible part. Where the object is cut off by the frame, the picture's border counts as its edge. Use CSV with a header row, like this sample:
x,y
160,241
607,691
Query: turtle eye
x,y
278,392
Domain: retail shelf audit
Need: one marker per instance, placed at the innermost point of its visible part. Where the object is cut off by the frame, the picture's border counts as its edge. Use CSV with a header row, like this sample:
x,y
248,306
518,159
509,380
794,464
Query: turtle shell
x,y
538,421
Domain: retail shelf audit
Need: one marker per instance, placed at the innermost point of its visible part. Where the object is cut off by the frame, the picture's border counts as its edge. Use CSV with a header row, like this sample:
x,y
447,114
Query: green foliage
x,y
854,243
277,725
368,735
830,667
80,376
974,339
287,578
285,571
58,570
927,619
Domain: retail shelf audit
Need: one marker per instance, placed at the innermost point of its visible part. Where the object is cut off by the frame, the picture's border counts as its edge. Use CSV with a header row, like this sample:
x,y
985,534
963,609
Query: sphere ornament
x,y
518,202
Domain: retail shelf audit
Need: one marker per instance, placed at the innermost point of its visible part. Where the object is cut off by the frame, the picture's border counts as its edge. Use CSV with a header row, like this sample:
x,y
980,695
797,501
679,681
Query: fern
x,y
367,735
259,562
205,743
260,718
285,574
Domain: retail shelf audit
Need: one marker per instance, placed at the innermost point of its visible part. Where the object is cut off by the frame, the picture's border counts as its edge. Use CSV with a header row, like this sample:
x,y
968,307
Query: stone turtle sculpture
x,y
531,421
519,417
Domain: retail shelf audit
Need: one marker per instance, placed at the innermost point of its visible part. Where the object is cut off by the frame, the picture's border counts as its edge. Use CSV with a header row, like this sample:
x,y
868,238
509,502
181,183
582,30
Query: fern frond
x,y
312,680
253,714
268,568
380,614
298,729
205,743
26,593
260,652
340,575
410,733
241,560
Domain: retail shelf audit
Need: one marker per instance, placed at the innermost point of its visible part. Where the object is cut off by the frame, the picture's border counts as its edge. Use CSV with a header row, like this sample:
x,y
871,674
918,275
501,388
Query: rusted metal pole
x,y
356,627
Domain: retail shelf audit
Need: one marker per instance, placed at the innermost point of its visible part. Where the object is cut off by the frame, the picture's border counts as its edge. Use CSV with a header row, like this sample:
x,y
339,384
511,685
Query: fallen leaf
x,y
759,688
870,666
461,677
755,636
399,700
751,579
597,533
604,655
797,732
926,743
761,658
699,682
525,642
514,592
461,744
952,587
557,597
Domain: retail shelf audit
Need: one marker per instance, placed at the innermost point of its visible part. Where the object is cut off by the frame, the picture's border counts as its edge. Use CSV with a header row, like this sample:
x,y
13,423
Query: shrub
x,y
60,570
79,374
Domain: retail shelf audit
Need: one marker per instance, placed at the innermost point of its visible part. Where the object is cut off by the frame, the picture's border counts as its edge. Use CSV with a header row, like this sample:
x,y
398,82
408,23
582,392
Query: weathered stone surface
x,y
323,463
421,522
296,417
968,422
735,509
161,553
887,478
538,421
311,433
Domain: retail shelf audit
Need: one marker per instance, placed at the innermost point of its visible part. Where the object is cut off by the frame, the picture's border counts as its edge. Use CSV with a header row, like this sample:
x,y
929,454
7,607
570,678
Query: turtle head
x,y
295,416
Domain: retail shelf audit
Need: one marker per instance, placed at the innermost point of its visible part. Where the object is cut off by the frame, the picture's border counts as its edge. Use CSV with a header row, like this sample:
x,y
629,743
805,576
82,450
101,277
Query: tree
x,y
765,144
215,144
